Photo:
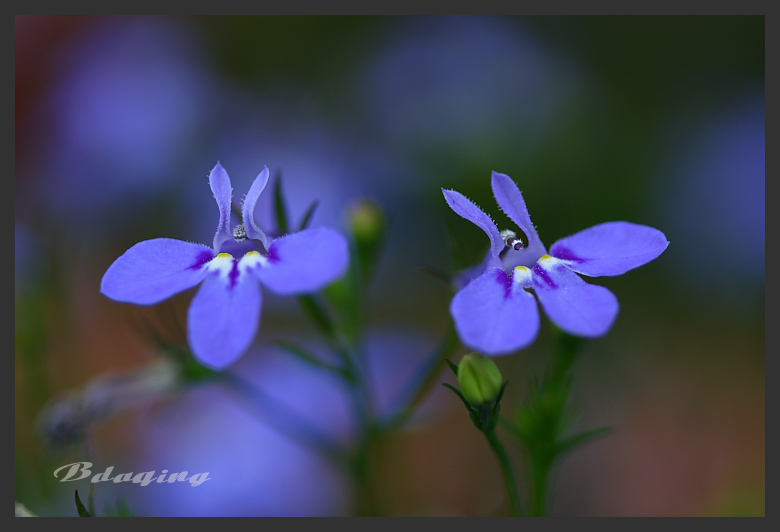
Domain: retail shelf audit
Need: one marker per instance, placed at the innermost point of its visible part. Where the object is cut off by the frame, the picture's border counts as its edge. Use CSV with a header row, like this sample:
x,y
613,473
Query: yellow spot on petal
x,y
224,256
545,257
251,260
522,275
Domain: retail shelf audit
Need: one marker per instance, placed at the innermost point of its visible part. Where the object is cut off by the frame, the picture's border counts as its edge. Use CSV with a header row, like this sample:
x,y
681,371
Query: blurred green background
x,y
653,120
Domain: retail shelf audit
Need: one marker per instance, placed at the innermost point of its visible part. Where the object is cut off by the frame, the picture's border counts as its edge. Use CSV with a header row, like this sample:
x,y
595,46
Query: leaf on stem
x,y
80,507
281,211
578,440
309,357
307,215
453,366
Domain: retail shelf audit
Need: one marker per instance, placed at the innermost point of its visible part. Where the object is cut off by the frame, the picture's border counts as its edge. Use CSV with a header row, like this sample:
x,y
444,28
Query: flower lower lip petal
x,y
494,317
223,319
577,307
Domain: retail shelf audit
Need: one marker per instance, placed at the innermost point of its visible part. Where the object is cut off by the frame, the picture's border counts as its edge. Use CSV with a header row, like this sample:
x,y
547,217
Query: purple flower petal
x,y
610,248
223,193
154,270
466,208
495,316
224,316
248,209
575,306
511,201
304,262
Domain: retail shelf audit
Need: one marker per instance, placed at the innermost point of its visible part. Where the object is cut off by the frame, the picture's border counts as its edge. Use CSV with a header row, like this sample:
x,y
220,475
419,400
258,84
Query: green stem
x,y
423,380
540,475
509,476
542,455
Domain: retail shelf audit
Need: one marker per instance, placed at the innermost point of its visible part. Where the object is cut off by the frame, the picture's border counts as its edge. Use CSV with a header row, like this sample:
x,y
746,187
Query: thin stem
x,y
509,476
283,418
540,475
543,450
423,380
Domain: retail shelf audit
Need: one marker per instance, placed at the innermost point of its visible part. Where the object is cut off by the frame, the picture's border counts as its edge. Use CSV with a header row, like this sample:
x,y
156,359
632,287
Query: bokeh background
x,y
654,120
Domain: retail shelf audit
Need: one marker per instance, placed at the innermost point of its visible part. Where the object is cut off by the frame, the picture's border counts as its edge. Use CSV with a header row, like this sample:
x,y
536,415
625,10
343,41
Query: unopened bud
x,y
368,220
479,378
369,225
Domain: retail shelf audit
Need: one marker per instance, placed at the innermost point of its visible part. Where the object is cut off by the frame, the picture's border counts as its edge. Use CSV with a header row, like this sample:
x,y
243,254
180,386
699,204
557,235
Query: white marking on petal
x,y
251,260
522,276
222,263
549,262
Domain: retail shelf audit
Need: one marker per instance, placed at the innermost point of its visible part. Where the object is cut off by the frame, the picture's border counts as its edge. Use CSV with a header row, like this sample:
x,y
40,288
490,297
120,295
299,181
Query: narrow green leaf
x,y
436,274
453,366
318,315
122,509
80,507
578,440
308,356
281,211
459,394
307,215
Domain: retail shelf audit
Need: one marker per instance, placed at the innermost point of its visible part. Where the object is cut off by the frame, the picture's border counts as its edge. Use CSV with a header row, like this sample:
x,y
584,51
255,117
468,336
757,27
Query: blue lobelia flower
x,y
496,312
225,313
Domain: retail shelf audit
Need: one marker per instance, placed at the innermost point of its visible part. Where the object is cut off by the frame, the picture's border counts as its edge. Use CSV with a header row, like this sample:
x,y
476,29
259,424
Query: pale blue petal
x,y
224,317
466,208
223,193
610,248
577,307
248,208
304,262
495,316
511,201
154,270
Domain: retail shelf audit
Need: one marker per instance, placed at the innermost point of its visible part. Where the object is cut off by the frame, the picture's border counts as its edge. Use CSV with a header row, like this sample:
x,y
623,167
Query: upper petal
x,y
468,210
577,307
223,193
248,208
495,316
304,262
511,201
224,316
610,248
154,270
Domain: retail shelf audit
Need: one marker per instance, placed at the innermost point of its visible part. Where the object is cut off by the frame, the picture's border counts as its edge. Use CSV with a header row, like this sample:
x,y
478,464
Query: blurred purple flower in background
x,y
495,313
258,465
129,100
715,199
224,315
465,81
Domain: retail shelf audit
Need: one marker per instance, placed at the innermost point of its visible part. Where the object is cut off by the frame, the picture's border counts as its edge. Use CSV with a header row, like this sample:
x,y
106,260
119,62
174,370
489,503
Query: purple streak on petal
x,y
154,270
468,210
494,316
575,306
511,201
223,193
610,248
223,318
248,209
305,262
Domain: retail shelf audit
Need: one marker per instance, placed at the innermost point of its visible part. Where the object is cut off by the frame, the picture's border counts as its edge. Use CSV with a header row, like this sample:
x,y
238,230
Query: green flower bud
x,y
368,221
479,378
369,225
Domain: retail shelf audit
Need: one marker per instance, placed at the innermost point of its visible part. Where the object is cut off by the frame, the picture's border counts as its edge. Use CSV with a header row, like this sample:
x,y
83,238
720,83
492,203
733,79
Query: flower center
x,y
518,253
229,268
511,241
239,233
